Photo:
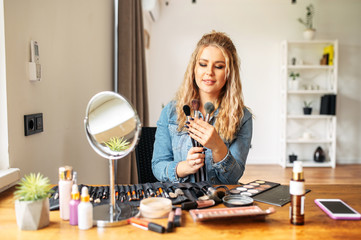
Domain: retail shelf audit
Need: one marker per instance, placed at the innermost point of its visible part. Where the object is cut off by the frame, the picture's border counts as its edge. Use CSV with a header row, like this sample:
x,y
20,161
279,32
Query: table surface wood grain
x,y
275,226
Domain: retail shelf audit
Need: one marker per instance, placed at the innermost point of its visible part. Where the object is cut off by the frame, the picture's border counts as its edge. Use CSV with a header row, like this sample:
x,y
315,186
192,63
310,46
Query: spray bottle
x,y
297,192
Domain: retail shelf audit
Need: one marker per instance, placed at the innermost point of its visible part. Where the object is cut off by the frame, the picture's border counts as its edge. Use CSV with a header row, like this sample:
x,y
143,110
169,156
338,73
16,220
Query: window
x,y
8,177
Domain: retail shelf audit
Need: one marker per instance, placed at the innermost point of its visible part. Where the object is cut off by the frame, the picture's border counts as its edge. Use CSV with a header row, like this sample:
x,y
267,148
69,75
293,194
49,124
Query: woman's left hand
x,y
206,134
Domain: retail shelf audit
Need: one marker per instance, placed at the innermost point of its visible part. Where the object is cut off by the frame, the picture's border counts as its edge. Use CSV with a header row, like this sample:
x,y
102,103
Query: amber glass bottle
x,y
297,192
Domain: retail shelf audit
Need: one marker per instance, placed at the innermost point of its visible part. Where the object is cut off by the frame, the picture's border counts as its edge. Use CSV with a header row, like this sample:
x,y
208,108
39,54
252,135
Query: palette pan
x,y
253,188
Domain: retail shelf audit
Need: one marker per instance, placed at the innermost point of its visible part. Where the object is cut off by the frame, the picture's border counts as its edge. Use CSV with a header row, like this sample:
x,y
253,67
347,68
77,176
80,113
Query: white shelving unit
x,y
302,134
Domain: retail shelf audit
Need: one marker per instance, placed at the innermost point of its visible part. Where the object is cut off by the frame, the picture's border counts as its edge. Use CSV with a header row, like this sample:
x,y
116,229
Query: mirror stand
x,y
112,127
113,214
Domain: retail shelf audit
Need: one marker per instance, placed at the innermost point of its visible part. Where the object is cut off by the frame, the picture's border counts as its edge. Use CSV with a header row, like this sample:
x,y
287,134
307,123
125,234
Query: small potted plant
x,y
309,32
307,108
294,80
32,202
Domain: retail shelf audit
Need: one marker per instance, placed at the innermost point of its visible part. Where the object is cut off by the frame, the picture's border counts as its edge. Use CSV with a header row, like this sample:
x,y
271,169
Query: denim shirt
x,y
172,146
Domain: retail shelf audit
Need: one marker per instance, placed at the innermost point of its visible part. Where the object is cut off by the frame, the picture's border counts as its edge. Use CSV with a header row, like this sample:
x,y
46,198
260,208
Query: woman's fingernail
x,y
186,126
187,122
191,118
204,149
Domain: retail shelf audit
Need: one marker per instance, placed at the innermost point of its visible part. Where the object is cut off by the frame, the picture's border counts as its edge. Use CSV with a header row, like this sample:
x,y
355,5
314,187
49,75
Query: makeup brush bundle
x,y
201,174
132,194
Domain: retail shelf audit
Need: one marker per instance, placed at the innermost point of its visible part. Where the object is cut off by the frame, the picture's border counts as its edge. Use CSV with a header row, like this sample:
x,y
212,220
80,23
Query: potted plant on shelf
x,y
309,32
294,81
307,108
32,202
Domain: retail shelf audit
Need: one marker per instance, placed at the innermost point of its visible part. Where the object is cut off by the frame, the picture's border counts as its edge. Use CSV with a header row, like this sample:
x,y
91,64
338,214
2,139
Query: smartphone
x,y
337,209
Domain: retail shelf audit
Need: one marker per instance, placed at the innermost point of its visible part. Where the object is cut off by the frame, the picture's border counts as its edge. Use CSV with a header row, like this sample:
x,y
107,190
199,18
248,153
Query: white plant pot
x,y
309,34
32,215
293,84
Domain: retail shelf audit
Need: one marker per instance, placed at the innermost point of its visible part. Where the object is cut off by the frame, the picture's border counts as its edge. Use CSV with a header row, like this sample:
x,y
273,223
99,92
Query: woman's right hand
x,y
194,161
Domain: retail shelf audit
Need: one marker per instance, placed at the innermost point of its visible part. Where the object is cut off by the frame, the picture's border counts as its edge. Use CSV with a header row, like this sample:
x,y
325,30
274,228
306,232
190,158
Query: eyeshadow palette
x,y
253,188
200,215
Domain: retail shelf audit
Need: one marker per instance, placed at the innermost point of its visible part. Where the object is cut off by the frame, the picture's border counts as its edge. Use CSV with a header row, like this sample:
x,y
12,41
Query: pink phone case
x,y
336,217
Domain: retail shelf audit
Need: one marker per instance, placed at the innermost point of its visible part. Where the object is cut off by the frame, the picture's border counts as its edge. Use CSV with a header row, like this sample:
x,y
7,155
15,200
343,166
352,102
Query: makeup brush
x,y
209,108
187,112
195,107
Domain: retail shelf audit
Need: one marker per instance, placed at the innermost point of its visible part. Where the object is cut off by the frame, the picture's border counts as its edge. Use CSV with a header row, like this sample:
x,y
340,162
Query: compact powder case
x,y
237,201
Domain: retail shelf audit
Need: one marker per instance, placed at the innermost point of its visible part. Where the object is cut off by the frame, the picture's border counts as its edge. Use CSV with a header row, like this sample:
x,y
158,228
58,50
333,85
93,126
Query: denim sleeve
x,y
231,168
163,164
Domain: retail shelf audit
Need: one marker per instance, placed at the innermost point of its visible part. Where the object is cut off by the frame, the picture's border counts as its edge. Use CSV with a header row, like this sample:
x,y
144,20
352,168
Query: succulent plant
x,y
307,104
33,187
117,144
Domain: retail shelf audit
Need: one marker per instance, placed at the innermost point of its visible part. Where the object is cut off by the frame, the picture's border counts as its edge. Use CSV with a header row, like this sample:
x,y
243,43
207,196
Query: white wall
x,y
257,28
75,45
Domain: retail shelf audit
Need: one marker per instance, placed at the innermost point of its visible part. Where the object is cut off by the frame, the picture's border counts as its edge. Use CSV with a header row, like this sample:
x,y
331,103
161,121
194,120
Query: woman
x,y
212,76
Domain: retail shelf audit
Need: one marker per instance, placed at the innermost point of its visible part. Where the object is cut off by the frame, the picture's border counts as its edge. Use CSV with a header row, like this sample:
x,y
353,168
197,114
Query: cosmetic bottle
x,y
73,205
65,185
85,211
297,192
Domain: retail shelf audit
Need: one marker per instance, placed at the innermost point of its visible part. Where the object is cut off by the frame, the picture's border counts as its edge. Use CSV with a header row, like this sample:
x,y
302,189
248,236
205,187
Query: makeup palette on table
x,y
253,188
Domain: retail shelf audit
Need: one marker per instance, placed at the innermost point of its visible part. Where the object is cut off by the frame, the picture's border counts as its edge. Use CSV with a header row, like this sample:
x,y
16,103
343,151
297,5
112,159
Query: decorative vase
x,y
292,158
319,155
309,34
32,215
307,110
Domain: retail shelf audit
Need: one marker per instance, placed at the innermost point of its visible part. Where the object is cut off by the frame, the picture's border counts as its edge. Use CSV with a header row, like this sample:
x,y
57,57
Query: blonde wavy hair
x,y
230,100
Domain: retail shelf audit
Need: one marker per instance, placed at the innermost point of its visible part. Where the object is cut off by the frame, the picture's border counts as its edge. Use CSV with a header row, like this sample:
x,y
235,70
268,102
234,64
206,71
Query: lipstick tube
x,y
144,224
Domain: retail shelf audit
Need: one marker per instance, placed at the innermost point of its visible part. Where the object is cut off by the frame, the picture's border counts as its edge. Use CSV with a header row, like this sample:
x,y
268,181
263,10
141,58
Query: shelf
x,y
303,42
315,81
310,67
308,141
311,163
310,116
316,92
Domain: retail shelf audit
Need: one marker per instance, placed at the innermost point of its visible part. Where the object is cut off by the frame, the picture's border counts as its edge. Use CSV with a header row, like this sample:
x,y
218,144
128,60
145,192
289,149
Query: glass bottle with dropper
x,y
85,211
297,192
73,205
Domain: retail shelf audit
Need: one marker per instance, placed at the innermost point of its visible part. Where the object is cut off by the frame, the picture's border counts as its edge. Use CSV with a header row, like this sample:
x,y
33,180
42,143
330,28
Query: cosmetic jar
x,y
155,207
237,201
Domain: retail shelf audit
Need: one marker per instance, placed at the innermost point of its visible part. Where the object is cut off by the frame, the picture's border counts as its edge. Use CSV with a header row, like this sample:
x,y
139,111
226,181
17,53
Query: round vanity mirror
x,y
112,127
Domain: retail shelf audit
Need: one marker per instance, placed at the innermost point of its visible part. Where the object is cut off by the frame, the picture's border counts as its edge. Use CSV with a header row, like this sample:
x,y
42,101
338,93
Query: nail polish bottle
x,y
73,205
297,192
85,211
65,185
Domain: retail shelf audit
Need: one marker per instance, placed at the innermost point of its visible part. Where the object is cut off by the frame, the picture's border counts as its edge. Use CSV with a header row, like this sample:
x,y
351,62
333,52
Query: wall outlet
x,y
33,123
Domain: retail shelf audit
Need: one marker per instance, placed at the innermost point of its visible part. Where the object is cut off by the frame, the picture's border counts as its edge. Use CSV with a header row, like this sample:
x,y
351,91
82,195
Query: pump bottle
x,y
73,205
297,192
85,211
65,184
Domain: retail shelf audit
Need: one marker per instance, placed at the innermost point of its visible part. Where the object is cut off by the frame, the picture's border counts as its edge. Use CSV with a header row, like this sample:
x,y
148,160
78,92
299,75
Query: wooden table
x,y
275,226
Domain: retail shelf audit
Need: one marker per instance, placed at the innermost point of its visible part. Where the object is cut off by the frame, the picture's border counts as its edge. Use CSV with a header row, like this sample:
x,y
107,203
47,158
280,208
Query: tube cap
x,y
156,227
66,173
297,167
189,205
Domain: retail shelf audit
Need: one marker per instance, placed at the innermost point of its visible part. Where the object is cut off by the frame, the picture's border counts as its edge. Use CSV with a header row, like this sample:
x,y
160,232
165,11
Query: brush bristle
x,y
209,107
187,110
195,104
